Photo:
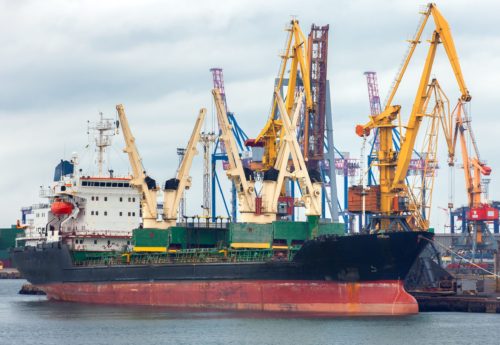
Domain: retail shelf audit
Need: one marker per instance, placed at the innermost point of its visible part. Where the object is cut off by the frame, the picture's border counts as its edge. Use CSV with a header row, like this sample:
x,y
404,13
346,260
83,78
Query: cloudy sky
x,y
62,62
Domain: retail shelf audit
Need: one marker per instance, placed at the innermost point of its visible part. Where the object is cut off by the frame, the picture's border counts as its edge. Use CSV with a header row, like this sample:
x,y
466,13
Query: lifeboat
x,y
60,208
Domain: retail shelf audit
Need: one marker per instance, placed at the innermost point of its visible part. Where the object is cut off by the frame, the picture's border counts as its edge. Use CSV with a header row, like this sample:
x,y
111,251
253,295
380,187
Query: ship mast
x,y
104,130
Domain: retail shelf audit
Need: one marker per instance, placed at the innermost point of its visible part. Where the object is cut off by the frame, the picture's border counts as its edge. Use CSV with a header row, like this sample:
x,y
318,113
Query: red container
x,y
484,212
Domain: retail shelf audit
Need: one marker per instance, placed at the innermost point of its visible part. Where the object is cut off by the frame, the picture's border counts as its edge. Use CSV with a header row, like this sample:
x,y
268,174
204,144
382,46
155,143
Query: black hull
x,y
354,258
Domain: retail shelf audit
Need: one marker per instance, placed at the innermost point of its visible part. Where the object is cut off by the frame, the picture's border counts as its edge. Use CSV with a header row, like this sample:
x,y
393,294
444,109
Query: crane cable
x,y
460,256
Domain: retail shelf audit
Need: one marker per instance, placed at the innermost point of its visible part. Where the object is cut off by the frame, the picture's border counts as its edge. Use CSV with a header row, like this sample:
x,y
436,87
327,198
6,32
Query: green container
x,y
291,232
250,233
178,236
8,237
197,237
84,255
331,229
150,237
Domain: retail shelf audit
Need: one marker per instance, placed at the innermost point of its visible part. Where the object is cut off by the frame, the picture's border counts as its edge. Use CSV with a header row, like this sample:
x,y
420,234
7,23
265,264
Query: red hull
x,y
315,297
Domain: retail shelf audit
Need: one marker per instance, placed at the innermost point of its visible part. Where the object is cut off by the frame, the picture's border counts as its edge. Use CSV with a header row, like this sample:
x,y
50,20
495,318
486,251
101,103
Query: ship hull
x,y
310,297
334,275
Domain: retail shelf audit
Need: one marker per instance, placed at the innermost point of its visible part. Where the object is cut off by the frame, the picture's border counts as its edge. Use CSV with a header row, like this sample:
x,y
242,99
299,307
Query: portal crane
x,y
296,50
394,167
480,211
265,210
144,184
175,187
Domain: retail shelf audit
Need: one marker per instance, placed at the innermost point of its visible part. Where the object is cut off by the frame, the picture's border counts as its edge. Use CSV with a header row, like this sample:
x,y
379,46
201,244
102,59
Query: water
x,y
35,321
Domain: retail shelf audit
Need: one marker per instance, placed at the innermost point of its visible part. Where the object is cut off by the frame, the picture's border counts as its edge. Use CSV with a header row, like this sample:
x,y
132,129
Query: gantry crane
x,y
144,184
394,193
175,187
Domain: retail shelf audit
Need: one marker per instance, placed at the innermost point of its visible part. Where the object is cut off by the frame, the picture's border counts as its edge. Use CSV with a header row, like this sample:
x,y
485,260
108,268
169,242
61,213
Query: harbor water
x,y
34,320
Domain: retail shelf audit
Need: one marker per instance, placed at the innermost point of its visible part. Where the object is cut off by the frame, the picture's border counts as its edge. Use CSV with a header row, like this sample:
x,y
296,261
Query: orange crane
x,y
480,212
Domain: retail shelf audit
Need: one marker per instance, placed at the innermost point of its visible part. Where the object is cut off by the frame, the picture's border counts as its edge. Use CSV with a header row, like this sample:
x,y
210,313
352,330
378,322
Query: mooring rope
x,y
461,257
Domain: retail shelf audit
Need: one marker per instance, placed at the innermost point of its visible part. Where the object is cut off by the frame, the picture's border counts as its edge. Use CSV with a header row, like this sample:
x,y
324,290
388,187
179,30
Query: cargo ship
x,y
307,267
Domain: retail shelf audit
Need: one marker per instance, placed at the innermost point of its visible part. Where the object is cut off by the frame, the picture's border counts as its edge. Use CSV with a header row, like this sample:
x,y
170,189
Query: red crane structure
x,y
314,122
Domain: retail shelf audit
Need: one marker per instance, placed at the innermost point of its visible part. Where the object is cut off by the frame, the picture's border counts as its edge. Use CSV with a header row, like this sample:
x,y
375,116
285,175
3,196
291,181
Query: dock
x,y
470,304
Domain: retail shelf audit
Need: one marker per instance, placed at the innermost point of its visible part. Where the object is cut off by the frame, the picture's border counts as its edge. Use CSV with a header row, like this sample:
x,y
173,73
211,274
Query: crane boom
x,y
311,191
417,113
174,188
144,184
443,29
272,187
473,167
245,186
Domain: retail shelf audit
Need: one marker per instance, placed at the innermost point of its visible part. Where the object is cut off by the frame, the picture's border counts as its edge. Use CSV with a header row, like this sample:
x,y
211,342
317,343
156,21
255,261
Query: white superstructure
x,y
88,213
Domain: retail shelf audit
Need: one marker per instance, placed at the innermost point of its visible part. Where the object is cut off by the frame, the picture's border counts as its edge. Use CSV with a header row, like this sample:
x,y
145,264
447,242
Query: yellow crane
x,y
296,51
394,166
174,188
144,184
147,186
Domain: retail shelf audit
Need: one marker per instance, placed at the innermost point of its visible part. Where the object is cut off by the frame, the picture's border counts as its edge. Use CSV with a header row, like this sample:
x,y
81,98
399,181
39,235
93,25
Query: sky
x,y
63,62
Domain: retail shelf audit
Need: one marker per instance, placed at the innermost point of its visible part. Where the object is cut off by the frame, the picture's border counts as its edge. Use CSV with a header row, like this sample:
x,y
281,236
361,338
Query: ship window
x,y
128,243
105,213
105,198
126,185
114,184
133,199
121,214
92,198
121,199
81,241
102,184
108,184
133,214
84,183
96,198
129,214
128,199
91,213
96,213
120,184
95,241
109,242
